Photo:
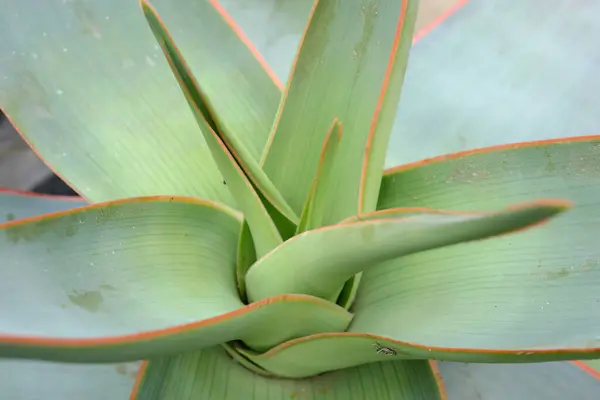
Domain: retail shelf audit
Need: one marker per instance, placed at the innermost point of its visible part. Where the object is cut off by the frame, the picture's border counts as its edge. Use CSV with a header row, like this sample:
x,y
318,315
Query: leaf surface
x,y
503,297
136,278
265,233
350,54
318,262
86,85
27,380
211,375
320,192
209,121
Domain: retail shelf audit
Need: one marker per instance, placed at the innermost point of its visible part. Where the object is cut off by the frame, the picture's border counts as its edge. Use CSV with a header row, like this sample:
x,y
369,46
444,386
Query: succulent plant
x,y
265,253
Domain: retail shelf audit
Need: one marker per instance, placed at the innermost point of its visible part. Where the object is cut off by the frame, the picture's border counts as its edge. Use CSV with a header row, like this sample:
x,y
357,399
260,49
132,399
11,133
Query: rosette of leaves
x,y
267,254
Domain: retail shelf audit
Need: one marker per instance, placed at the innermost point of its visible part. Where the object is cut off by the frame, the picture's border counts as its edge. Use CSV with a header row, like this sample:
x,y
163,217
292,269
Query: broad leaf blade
x,y
134,279
27,380
68,60
211,121
508,292
264,232
313,214
320,261
340,69
211,375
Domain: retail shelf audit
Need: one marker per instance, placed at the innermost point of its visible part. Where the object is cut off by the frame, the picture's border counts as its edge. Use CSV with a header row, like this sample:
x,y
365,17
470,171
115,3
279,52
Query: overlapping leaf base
x,y
211,375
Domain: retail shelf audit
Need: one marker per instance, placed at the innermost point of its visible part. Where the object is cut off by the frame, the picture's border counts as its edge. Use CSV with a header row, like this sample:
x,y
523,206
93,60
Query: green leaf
x,y
211,375
349,291
137,278
500,299
548,381
210,122
27,380
346,62
313,212
318,262
246,256
87,87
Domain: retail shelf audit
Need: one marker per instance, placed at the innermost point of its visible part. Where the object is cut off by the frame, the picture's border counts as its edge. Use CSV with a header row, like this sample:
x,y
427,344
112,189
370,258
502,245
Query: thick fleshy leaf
x,y
470,79
211,375
28,380
136,278
502,297
246,256
67,60
548,381
319,195
210,122
318,262
264,232
349,54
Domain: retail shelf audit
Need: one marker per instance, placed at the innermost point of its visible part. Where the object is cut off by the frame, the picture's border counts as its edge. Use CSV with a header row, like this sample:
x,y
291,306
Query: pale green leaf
x,y
211,375
498,299
209,121
348,57
137,278
86,85
319,195
28,380
318,262
265,233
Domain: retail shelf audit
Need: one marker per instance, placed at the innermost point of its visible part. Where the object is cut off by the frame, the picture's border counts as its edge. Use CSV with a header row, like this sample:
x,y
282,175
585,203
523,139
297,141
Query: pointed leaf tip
x,y
318,202
319,261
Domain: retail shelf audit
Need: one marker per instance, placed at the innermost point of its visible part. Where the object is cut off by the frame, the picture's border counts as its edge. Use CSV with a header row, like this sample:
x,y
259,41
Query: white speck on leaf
x,y
59,92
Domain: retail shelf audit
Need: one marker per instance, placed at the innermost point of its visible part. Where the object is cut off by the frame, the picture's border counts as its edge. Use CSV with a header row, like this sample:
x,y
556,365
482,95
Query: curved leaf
x,y
265,233
318,262
246,256
137,278
211,375
347,58
316,203
522,295
28,380
209,121
68,60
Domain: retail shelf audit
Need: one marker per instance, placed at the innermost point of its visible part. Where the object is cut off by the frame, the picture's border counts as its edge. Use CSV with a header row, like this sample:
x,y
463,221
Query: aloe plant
x,y
264,251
